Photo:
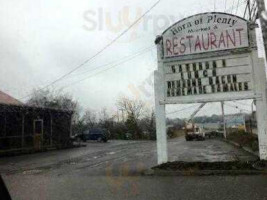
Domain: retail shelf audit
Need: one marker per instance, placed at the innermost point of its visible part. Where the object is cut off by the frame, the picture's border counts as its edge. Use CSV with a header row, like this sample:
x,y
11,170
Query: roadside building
x,y
25,127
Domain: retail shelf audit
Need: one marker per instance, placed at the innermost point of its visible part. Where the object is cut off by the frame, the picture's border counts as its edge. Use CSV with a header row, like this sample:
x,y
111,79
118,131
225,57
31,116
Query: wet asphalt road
x,y
113,171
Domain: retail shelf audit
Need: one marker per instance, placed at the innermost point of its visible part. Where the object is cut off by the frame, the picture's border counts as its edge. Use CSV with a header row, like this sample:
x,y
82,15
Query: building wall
x,y
18,121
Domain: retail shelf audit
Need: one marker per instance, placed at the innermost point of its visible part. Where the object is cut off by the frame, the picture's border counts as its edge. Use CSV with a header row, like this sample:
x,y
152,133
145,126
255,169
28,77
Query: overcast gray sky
x,y
42,40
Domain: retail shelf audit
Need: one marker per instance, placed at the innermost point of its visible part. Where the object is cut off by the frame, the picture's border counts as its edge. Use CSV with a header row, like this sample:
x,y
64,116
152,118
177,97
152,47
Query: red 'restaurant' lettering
x,y
198,44
213,40
221,41
189,40
208,42
232,39
182,50
168,47
203,42
175,46
239,34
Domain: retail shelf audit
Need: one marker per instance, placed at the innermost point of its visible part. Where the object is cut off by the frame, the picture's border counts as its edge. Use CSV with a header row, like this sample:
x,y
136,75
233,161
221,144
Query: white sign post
x,y
160,111
209,57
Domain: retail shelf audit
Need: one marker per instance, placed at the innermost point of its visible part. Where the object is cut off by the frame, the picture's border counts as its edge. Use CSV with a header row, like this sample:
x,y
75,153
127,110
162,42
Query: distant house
x,y
25,127
6,99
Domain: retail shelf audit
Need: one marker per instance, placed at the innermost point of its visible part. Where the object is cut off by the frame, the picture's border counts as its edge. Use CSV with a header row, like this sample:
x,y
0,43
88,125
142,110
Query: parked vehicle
x,y
214,133
98,134
128,136
194,132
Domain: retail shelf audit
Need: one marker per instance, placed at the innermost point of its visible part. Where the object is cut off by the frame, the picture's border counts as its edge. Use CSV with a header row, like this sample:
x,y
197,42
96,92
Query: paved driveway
x,y
209,150
96,158
103,171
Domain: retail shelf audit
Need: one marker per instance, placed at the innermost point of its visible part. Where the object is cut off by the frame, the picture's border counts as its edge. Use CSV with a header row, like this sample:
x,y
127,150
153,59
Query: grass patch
x,y
194,166
172,133
245,139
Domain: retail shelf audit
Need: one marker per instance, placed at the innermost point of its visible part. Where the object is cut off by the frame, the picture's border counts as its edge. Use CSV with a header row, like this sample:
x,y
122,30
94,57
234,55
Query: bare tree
x,y
58,100
105,120
89,118
131,107
103,115
134,109
53,99
148,125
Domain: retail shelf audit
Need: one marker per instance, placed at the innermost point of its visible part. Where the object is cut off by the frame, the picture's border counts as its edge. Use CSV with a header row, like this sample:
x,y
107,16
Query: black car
x,y
98,134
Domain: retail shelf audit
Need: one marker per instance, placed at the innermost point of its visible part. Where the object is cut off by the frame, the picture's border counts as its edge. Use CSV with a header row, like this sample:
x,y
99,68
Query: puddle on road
x,y
30,172
111,153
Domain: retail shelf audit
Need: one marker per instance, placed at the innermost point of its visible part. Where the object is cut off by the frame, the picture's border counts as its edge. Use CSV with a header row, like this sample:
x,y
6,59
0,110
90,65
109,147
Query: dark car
x,y
98,134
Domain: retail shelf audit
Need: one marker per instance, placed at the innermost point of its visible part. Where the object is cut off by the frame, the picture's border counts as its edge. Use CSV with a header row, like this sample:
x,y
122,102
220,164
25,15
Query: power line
x,y
101,50
225,3
104,70
232,7
241,103
237,6
113,63
237,107
116,63
144,50
169,113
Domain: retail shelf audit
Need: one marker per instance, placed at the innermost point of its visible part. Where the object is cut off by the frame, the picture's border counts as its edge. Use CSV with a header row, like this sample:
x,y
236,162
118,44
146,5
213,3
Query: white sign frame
x,y
205,32
258,91
225,96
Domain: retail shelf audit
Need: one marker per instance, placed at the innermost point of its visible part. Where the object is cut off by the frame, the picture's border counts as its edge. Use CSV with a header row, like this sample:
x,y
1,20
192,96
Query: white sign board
x,y
205,33
234,120
209,57
208,79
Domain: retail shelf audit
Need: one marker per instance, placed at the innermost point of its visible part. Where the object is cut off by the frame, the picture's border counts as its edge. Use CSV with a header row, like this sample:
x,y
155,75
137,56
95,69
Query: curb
x,y
159,172
242,147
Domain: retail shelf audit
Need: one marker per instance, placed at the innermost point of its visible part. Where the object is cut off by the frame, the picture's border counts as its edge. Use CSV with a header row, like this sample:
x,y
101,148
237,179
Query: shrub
x,y
244,139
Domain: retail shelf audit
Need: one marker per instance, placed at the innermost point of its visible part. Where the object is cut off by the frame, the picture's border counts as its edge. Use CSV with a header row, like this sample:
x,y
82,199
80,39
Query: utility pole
x,y
224,123
263,20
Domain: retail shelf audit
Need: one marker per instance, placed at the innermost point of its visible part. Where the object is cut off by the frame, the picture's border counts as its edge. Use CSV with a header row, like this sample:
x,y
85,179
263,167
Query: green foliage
x,y
132,127
78,127
170,133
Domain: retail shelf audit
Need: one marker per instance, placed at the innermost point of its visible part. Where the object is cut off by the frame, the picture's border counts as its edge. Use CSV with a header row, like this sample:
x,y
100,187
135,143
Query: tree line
x,y
134,120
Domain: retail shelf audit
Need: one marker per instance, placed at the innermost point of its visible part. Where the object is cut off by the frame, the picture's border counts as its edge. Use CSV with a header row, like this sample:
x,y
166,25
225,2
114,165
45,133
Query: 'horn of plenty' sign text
x,y
205,33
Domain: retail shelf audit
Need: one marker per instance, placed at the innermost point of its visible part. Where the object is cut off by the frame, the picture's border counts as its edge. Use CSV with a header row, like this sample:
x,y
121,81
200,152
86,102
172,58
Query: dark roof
x,y
11,104
26,108
7,99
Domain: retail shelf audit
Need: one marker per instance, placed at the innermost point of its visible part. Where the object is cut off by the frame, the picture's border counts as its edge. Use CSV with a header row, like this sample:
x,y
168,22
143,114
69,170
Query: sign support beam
x,y
162,150
224,123
261,12
261,106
